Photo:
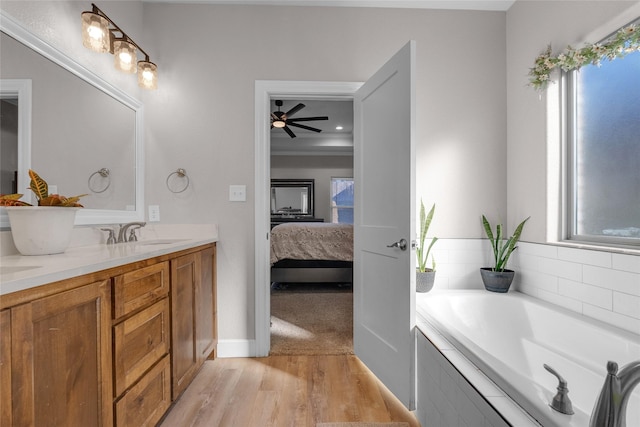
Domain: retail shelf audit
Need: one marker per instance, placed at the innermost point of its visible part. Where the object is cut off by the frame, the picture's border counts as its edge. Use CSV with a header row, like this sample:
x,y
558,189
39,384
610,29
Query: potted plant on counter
x,y
43,229
498,278
424,275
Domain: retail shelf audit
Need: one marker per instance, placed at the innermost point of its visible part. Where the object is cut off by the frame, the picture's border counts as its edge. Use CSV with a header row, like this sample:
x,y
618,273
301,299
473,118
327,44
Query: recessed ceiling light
x,y
338,127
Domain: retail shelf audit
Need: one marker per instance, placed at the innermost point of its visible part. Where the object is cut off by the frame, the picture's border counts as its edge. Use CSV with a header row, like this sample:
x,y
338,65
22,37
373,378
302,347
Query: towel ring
x,y
105,173
181,173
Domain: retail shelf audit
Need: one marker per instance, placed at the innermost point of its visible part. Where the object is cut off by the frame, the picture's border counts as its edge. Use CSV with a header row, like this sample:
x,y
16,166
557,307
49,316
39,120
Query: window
x,y
342,200
603,152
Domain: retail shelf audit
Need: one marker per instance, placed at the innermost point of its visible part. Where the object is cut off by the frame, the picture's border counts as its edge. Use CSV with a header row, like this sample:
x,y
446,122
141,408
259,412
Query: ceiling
x,y
496,5
330,141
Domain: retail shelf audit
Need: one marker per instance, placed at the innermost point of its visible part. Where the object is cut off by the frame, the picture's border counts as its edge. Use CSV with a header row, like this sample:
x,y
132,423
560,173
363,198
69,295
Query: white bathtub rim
x,y
538,410
515,415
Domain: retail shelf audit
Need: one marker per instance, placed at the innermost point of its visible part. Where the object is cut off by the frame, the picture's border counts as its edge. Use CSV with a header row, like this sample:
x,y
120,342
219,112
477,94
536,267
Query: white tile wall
x,y
599,284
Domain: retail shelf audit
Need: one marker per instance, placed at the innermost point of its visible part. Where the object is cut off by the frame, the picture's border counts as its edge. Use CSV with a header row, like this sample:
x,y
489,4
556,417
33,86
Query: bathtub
x,y
510,336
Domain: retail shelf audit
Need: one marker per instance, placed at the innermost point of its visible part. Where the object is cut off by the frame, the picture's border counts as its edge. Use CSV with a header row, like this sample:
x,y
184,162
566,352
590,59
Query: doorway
x,y
312,196
265,91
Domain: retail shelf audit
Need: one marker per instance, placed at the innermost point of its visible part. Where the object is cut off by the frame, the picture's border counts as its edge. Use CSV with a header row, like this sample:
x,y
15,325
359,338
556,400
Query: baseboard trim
x,y
236,348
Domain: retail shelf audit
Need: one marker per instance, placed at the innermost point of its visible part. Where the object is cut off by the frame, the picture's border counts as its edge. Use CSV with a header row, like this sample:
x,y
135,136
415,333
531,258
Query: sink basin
x,y
159,242
16,269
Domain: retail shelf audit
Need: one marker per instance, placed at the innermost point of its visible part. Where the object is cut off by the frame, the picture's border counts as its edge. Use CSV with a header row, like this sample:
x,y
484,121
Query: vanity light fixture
x,y
101,34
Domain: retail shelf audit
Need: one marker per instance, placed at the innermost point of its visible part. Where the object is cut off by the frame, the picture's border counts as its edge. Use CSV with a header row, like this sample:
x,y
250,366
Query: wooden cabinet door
x,y
206,315
185,271
5,368
61,359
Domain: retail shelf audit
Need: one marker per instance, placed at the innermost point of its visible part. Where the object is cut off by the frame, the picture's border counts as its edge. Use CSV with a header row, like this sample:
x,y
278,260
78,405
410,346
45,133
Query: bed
x,y
312,253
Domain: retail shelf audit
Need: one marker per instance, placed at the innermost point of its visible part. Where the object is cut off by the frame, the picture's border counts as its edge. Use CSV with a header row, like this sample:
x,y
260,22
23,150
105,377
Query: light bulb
x,y
125,54
147,75
95,32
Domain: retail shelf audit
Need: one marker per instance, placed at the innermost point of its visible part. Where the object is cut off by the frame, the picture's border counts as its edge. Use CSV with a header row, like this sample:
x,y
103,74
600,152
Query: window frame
x,y
568,110
331,195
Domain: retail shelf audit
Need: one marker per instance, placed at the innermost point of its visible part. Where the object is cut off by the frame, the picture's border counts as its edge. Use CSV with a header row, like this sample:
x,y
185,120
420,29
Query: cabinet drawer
x,y
139,342
147,401
138,288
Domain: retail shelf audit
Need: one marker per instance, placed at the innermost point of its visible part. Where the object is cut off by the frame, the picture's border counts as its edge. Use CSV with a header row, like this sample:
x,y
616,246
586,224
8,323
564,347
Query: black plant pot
x,y
424,280
496,281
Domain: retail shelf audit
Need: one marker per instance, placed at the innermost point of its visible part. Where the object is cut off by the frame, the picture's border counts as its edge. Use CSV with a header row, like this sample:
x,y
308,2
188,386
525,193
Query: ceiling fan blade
x,y
289,131
308,119
274,117
294,110
303,127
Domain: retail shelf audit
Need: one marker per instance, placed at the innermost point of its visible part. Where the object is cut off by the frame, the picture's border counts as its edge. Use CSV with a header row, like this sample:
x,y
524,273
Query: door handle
x,y
402,244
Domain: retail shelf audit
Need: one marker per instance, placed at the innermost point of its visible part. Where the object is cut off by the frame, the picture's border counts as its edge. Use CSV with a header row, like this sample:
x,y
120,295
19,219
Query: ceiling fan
x,y
282,120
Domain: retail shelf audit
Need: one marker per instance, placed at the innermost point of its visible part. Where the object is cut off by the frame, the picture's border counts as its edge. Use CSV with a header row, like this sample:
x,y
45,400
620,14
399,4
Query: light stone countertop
x,y
19,272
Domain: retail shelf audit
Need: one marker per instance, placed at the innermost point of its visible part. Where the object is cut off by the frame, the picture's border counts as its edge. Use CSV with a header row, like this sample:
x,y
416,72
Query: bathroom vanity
x,y
112,346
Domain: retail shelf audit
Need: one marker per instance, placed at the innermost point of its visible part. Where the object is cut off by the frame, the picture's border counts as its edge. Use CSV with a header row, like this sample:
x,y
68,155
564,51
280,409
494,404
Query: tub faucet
x,y
122,234
561,401
610,409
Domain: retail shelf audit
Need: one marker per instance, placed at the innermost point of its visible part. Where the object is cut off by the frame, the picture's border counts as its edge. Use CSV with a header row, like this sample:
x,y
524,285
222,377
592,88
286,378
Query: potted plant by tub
x,y
43,229
498,278
424,275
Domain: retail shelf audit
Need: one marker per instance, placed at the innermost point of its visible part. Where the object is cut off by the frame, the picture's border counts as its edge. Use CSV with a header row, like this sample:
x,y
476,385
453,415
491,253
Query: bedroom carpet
x,y
311,320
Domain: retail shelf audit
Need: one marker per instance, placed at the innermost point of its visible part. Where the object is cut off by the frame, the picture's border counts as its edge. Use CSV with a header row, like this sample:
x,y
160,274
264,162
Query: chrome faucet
x,y
122,233
610,409
561,401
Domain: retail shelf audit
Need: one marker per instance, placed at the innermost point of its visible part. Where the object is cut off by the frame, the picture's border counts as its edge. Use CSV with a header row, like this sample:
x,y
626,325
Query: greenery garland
x,y
625,41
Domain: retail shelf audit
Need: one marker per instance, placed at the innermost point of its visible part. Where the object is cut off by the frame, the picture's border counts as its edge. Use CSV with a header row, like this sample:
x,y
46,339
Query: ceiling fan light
x,y
95,32
278,124
147,75
125,56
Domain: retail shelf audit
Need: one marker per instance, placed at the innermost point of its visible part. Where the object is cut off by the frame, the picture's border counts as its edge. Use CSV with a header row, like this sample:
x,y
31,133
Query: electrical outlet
x,y
237,193
154,213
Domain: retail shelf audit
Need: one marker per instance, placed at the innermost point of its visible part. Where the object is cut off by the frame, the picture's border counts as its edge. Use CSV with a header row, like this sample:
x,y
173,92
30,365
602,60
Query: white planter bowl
x,y
41,230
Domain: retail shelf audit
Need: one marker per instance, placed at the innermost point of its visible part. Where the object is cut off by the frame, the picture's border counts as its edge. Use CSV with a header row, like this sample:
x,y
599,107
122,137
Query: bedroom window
x,y
342,200
603,152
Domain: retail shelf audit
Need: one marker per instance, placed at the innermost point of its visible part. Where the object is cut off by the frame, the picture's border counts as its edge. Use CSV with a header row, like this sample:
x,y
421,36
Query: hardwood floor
x,y
294,391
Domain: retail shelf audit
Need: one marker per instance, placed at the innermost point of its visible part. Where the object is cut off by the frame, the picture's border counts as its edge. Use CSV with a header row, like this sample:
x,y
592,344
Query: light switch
x,y
237,193
154,213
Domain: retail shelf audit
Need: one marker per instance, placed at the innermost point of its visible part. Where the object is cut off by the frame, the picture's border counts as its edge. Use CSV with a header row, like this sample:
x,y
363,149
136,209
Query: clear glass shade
x,y
95,32
147,75
125,56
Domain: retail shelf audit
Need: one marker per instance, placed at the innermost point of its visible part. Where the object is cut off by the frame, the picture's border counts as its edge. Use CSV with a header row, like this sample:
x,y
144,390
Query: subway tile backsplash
x,y
598,284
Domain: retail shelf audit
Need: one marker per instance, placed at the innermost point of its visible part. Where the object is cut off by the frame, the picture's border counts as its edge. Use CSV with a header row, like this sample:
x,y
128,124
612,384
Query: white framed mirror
x,y
71,125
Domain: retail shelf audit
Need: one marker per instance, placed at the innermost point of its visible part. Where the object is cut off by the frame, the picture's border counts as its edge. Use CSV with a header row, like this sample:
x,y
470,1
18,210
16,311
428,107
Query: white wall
x,y
319,168
201,117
